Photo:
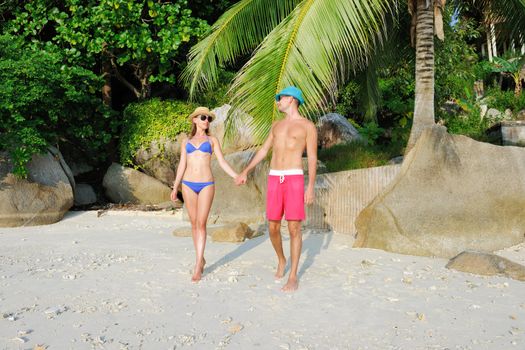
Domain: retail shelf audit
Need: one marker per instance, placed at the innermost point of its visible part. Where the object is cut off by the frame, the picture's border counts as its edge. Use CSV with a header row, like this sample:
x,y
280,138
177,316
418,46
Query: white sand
x,y
122,281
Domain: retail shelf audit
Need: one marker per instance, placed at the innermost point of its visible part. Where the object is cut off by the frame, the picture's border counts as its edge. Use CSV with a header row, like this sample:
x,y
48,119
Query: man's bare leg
x,y
296,244
274,227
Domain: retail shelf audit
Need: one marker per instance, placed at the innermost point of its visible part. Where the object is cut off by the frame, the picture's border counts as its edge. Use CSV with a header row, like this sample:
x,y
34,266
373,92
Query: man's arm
x,y
311,152
259,156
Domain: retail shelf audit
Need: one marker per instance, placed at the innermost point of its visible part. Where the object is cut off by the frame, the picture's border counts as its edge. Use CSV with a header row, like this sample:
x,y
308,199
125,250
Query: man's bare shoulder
x,y
308,124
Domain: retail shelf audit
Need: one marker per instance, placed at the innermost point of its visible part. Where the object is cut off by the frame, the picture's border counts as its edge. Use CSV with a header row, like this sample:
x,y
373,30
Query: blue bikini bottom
x,y
197,186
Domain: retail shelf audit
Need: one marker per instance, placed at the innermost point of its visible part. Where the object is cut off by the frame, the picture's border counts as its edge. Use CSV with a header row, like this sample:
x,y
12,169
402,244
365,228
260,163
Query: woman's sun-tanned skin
x,y
198,187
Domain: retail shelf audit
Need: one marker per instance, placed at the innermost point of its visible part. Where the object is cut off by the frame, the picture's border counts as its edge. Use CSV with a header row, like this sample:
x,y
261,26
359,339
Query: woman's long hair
x,y
194,129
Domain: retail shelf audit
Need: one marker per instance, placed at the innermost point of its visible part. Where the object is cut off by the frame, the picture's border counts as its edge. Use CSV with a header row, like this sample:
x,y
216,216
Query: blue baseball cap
x,y
291,91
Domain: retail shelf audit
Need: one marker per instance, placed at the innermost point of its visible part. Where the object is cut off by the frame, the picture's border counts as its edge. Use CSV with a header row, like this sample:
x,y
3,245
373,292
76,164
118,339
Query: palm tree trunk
x,y
424,99
493,39
517,82
489,45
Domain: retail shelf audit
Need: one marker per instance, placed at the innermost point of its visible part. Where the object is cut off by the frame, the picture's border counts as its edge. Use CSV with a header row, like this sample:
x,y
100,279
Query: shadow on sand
x,y
240,250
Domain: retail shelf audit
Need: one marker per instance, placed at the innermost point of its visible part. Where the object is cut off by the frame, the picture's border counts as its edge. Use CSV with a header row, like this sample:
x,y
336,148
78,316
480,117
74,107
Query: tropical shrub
x,y
137,42
455,61
348,103
151,120
44,101
354,155
468,123
501,100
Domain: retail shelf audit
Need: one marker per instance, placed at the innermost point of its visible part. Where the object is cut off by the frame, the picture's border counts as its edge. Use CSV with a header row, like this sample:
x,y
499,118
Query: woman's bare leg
x,y
191,202
204,201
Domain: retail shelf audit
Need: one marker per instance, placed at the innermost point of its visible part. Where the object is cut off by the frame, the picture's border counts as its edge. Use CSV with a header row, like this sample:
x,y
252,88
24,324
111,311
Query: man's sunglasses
x,y
204,117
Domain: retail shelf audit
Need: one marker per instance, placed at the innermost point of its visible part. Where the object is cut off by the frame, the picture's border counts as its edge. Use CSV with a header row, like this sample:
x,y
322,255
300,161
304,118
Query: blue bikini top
x,y
204,147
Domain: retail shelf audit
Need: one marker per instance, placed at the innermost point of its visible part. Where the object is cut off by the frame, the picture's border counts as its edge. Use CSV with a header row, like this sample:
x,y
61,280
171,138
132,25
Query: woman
x,y
198,187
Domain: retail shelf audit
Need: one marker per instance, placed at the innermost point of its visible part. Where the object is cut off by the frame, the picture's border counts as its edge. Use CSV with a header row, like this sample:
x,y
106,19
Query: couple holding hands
x,y
286,194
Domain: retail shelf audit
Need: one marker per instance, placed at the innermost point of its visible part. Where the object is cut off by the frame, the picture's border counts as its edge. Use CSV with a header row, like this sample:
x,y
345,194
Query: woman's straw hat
x,y
201,111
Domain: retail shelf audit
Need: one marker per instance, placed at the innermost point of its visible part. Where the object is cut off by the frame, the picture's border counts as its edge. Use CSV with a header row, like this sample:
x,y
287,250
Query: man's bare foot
x,y
199,270
291,285
280,269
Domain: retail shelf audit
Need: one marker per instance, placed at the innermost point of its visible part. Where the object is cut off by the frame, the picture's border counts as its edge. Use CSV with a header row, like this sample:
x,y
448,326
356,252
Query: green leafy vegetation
x,y
152,120
136,42
354,155
44,101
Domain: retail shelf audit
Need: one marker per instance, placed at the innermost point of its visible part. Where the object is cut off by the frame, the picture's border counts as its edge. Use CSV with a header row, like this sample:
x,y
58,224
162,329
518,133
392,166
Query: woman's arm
x,y
220,158
180,170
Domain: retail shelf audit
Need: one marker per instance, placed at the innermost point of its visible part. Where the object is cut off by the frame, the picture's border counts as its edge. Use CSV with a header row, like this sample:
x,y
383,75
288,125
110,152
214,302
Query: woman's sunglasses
x,y
204,117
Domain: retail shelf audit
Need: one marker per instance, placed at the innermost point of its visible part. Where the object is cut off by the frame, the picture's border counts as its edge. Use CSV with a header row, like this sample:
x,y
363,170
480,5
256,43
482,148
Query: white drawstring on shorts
x,y
282,173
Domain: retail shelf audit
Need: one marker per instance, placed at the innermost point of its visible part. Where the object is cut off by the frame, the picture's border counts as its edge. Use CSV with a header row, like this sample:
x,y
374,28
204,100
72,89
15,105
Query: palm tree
x,y
424,13
314,44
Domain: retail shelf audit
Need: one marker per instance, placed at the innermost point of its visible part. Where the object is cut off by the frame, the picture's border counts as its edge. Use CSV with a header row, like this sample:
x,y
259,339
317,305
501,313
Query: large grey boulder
x,y
341,196
334,129
84,194
245,203
43,198
452,194
126,185
160,159
481,263
243,139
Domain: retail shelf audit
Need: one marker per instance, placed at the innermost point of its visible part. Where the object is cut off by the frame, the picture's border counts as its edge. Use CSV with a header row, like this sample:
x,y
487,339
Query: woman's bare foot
x,y
198,271
291,285
280,269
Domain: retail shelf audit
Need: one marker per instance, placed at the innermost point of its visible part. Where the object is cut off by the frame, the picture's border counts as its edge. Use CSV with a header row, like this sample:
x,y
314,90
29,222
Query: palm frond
x,y
394,49
508,14
314,48
238,31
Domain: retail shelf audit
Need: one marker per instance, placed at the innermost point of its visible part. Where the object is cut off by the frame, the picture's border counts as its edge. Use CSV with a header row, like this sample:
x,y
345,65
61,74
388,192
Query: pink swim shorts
x,y
285,194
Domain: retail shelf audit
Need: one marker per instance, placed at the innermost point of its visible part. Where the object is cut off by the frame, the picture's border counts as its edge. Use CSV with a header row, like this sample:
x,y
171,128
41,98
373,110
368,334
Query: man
x,y
288,139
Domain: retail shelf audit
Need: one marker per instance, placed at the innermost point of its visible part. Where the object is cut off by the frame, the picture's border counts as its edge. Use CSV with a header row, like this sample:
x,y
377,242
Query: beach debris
x,y
236,328
185,339
367,263
55,311
10,316
227,320
225,341
40,347
21,339
23,332
420,316
100,340
232,279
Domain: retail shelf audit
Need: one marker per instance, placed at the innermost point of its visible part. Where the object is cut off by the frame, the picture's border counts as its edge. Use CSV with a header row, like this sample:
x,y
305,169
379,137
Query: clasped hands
x,y
240,179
